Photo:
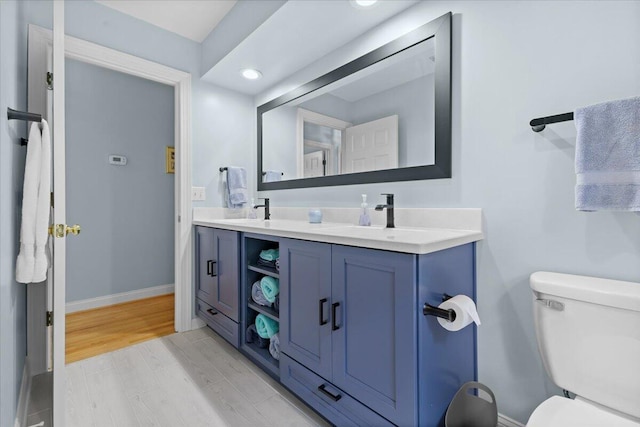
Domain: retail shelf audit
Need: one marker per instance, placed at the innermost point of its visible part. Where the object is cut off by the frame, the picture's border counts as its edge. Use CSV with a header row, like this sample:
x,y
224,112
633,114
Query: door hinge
x,y
49,318
179,218
49,80
52,199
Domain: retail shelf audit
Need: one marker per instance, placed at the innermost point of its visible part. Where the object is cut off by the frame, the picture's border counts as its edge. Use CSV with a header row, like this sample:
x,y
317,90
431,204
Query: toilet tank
x,y
588,333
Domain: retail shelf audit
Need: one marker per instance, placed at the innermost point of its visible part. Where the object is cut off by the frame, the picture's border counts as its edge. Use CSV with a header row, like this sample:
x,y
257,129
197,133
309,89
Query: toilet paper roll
x,y
465,310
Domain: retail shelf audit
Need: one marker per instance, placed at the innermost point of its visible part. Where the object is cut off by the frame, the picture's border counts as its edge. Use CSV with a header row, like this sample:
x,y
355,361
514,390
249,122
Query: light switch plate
x,y
198,193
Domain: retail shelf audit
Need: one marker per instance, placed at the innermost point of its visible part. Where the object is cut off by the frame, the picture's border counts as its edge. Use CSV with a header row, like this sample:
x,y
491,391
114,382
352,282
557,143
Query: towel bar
x,y
264,173
21,115
539,124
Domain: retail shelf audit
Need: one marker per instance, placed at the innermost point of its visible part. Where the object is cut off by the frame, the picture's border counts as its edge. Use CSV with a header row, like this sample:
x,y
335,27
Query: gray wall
x,y
126,212
513,61
13,81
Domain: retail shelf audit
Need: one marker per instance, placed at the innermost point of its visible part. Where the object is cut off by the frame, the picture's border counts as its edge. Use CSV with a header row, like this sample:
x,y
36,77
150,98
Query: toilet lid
x,y
560,411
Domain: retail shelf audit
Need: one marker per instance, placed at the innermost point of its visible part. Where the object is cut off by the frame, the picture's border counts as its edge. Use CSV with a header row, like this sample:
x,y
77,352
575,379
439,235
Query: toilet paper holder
x,y
429,310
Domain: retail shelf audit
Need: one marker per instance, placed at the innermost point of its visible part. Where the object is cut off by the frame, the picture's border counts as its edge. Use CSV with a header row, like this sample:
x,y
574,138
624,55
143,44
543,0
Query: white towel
x,y
25,263
44,208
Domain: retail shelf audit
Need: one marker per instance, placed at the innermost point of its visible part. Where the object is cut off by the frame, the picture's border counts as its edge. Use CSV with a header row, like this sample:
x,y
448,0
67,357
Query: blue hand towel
x,y
270,288
272,176
266,326
608,156
257,296
236,187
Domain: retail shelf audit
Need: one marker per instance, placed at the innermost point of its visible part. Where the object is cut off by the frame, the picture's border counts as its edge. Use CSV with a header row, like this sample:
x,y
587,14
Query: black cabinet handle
x,y
334,306
212,268
212,312
331,396
321,311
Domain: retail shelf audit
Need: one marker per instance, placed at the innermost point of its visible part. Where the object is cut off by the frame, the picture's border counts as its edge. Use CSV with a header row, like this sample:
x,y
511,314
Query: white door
x,y
314,164
371,146
59,217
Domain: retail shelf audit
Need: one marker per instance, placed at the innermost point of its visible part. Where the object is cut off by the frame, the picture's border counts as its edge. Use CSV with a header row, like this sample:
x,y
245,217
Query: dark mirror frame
x,y
440,30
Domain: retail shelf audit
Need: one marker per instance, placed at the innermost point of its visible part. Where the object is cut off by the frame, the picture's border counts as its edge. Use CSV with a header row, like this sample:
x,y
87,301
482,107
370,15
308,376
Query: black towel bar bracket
x,y
223,169
539,124
430,310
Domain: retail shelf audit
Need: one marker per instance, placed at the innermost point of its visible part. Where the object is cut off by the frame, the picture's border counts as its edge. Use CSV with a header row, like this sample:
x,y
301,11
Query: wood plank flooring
x,y
101,330
190,379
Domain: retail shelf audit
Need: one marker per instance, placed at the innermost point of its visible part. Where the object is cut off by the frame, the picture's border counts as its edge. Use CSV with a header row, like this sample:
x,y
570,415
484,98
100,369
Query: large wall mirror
x,y
385,116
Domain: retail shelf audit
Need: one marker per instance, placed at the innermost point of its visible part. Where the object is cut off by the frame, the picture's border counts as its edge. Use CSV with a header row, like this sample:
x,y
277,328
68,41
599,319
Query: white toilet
x,y
588,333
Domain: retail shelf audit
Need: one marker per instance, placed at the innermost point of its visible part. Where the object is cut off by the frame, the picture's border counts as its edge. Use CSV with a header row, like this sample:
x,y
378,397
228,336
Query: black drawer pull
x,y
212,312
334,326
331,396
212,268
321,311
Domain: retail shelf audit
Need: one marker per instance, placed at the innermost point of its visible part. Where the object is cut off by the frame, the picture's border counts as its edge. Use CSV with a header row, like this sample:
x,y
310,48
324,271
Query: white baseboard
x,y
504,421
25,388
90,303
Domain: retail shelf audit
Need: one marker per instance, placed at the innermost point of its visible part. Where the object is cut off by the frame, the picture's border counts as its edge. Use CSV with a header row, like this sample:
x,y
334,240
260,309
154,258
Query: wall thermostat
x,y
118,160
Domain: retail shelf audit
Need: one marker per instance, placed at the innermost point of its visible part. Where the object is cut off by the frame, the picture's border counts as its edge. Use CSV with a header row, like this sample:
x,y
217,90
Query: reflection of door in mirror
x,y
320,133
372,146
314,164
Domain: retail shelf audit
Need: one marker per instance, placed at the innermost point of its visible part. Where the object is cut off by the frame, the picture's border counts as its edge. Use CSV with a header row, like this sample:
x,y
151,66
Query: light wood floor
x,y
101,330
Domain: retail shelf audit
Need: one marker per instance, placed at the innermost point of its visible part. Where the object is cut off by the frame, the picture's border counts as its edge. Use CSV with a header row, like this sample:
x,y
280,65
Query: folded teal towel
x,y
270,254
270,288
266,327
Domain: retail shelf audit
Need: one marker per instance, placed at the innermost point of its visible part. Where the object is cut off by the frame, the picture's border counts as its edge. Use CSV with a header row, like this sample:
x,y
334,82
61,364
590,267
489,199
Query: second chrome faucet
x,y
389,207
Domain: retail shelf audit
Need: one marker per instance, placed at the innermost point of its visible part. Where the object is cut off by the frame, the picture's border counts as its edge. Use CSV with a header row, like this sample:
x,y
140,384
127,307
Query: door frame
x,y
91,53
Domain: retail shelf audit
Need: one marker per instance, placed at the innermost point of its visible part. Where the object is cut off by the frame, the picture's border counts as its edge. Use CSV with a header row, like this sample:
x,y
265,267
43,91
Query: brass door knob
x,y
74,229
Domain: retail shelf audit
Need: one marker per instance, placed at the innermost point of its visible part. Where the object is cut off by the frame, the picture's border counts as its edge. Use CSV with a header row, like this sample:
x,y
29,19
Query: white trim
x,y
88,304
25,390
504,421
95,54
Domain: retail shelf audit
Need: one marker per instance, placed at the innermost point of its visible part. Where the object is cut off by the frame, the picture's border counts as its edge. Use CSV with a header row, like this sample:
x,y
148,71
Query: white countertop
x,y
415,240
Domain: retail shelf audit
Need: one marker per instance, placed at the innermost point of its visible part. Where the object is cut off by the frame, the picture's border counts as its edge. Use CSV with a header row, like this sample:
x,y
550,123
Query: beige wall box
x,y
171,160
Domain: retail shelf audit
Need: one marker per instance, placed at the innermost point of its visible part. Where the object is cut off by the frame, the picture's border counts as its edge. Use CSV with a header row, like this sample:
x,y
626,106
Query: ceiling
x,y
193,19
292,35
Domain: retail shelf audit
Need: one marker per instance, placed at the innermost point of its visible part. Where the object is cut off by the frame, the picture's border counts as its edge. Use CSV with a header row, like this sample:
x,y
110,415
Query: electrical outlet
x,y
197,193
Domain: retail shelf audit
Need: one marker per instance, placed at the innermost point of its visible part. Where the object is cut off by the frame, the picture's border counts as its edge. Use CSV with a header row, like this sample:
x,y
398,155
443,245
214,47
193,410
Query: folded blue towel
x,y
257,296
274,346
236,187
266,326
270,254
270,288
608,156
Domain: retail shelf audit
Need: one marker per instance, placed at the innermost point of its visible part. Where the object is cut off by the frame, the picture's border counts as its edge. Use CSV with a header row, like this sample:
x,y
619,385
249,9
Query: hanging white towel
x,y
25,263
41,264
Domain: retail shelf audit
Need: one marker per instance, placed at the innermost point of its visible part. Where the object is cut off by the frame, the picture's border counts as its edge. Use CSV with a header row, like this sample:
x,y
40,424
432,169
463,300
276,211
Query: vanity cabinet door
x,y
218,273
305,304
374,330
205,256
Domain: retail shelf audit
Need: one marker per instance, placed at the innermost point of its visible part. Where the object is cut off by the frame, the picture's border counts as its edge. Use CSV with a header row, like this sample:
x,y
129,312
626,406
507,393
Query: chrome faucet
x,y
267,215
389,207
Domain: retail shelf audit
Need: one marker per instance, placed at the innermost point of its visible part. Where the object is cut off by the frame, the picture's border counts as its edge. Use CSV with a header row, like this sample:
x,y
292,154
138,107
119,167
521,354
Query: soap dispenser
x,y
252,214
364,214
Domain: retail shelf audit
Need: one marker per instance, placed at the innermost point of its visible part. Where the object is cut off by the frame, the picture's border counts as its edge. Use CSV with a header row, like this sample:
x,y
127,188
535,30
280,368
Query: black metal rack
x,y
264,173
539,124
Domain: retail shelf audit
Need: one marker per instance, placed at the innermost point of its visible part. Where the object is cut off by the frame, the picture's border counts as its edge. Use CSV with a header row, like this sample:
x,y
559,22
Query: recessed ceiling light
x,y
251,74
365,3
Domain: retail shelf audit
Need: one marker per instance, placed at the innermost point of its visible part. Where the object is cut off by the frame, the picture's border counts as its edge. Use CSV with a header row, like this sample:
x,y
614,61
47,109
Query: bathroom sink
x,y
404,235
279,224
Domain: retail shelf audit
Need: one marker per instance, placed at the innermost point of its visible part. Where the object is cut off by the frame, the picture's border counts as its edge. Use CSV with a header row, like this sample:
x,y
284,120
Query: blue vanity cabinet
x,y
374,330
218,280
305,291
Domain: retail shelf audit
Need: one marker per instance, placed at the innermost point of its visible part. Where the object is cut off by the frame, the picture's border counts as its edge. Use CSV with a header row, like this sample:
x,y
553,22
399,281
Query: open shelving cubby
x,y
251,272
